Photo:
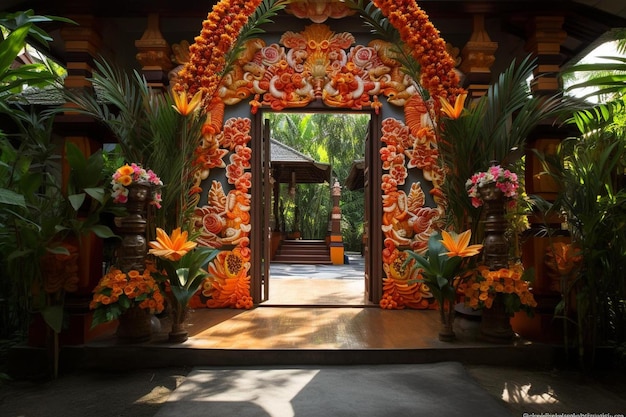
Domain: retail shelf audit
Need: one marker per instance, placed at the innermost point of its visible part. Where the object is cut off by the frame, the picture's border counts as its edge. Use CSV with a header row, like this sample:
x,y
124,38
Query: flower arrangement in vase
x,y
499,294
128,291
127,175
481,289
502,179
118,292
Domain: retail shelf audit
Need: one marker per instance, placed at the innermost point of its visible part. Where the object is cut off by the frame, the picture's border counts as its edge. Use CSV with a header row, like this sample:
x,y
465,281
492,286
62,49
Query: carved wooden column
x,y
545,36
336,241
154,54
478,57
82,44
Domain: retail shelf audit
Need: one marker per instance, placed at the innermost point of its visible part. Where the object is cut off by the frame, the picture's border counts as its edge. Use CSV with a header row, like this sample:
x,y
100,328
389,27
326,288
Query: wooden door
x,y
373,213
261,211
366,222
267,209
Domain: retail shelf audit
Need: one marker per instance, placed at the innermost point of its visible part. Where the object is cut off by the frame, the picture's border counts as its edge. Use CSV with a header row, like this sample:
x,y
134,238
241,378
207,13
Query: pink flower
x,y
505,180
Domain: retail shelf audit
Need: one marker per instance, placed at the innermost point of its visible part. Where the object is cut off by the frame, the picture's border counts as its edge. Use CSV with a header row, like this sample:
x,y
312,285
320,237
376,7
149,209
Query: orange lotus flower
x,y
457,245
172,248
185,106
449,110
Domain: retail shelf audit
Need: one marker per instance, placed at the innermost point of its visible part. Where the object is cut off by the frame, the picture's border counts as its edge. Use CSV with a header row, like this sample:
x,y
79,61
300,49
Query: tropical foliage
x,y
589,170
336,139
21,28
491,130
151,131
38,211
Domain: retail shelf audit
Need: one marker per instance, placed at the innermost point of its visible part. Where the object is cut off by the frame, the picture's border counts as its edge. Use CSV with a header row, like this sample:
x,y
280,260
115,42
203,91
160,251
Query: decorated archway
x,y
406,66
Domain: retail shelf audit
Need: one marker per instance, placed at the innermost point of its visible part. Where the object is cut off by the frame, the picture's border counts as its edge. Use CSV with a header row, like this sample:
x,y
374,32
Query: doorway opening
x,y
310,154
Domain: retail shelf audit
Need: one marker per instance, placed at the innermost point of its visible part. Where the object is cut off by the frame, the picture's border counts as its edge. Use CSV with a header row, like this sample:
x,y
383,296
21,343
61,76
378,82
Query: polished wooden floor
x,y
308,321
316,292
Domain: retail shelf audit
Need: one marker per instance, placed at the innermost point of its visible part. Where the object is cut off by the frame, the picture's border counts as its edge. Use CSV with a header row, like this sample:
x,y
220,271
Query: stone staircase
x,y
303,252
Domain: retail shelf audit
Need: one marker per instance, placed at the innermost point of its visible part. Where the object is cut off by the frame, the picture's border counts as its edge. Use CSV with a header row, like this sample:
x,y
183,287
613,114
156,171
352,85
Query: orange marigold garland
x,y
426,46
207,60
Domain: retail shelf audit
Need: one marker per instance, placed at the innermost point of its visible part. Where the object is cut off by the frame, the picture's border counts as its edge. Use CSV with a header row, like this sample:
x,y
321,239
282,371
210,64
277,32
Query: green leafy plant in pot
x,y
183,262
446,260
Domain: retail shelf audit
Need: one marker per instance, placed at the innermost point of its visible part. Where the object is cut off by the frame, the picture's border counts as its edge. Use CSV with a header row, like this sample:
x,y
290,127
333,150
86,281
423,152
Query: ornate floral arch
x,y
228,66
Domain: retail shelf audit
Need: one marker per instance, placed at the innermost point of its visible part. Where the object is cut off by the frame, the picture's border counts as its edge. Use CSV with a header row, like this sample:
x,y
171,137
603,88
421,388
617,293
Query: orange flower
x,y
183,106
449,110
134,288
457,245
125,170
207,58
172,248
125,180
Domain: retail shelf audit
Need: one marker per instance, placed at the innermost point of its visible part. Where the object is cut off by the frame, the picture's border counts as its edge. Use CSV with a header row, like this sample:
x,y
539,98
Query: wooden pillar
x,y
154,54
478,57
545,36
82,44
336,241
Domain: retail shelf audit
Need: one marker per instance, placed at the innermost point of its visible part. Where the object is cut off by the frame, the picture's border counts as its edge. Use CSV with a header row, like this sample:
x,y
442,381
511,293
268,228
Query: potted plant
x,y
448,258
183,263
500,293
132,297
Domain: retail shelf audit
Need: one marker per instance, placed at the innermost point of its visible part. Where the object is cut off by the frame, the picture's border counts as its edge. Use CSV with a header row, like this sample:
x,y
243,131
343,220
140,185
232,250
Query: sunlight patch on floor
x,y
525,394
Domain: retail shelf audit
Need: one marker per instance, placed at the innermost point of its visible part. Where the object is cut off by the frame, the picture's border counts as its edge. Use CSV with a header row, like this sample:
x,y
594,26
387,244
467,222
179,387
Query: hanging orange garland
x,y
207,59
425,45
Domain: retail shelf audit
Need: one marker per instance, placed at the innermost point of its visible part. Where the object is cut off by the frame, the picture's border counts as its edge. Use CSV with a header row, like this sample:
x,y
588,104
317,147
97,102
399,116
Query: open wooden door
x,y
267,209
367,221
261,212
373,240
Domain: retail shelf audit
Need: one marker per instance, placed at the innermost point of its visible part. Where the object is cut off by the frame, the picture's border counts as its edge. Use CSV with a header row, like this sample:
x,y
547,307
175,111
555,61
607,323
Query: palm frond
x,y
493,129
606,78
